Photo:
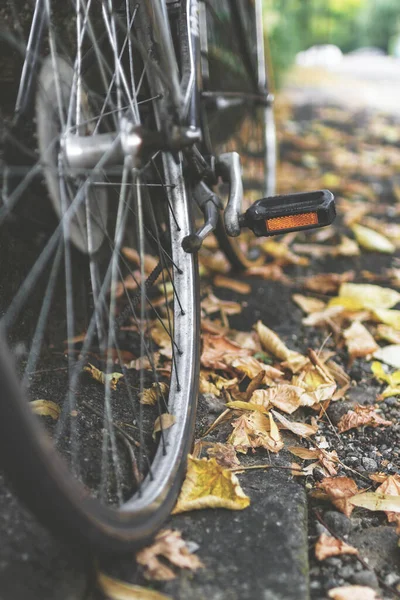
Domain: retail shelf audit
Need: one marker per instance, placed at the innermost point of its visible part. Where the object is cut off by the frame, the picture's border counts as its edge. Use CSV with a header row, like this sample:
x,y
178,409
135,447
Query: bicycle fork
x,y
266,217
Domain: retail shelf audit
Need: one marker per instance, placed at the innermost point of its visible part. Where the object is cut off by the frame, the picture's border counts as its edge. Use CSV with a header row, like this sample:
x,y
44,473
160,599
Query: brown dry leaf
x,y
224,454
340,490
241,287
271,342
282,253
304,453
211,305
251,367
215,262
218,351
353,592
115,589
327,283
328,460
359,341
159,334
347,247
163,422
359,417
271,272
315,250
286,397
253,430
45,408
244,405
332,317
152,394
300,429
307,304
149,262
327,546
208,485
169,545
101,377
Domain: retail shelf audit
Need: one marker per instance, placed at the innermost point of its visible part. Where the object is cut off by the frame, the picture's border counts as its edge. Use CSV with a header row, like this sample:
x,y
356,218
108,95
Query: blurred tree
x,y
379,23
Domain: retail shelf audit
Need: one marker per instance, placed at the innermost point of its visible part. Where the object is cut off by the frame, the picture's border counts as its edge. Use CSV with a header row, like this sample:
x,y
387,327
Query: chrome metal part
x,y
229,168
210,204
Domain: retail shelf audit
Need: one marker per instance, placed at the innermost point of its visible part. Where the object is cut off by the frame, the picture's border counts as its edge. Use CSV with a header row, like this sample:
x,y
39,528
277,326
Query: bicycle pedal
x,y
290,212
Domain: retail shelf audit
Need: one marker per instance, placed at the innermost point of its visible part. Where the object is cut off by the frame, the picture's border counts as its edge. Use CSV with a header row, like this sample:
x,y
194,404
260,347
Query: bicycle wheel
x,y
99,303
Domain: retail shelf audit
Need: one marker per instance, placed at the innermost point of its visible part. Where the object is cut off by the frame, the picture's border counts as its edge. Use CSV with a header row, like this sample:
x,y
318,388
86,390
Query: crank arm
x,y
290,212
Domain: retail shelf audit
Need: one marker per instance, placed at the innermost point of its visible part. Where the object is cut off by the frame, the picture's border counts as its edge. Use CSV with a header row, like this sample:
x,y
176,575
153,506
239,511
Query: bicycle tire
x,y
111,521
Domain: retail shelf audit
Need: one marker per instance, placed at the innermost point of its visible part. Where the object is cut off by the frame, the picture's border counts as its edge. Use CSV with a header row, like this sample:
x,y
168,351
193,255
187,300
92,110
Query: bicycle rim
x,y
100,320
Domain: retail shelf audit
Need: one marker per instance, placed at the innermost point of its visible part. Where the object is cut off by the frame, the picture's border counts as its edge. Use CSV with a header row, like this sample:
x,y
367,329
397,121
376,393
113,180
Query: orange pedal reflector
x,y
292,221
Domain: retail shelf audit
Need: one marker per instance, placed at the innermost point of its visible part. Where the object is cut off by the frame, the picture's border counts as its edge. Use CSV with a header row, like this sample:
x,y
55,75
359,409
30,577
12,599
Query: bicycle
x,y
108,116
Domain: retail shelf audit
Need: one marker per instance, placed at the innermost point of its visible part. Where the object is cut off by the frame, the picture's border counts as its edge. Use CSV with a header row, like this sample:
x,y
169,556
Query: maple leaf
x,y
340,490
360,416
359,341
208,485
169,545
353,592
327,546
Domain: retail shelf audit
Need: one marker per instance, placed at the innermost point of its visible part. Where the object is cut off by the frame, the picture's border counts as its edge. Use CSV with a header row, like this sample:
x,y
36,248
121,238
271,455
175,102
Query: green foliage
x,y
379,23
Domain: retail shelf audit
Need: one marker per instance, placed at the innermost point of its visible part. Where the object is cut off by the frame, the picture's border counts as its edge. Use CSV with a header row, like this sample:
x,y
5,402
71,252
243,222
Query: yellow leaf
x,y
272,343
208,485
375,501
369,296
379,372
281,252
163,422
387,333
390,355
250,366
45,408
101,377
154,393
115,589
387,316
372,240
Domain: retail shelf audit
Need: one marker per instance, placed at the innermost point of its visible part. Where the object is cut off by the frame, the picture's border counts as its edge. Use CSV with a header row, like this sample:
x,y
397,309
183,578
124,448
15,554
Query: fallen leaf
x,y
372,240
154,393
327,283
347,247
211,305
211,383
224,454
101,377
327,546
241,287
327,460
388,316
217,350
115,589
169,545
287,397
215,262
251,367
353,592
359,417
271,342
307,304
149,262
368,295
253,430
393,379
377,501
283,254
330,316
242,405
387,333
359,341
208,485
163,422
340,490
390,355
271,272
45,408
391,486
300,429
